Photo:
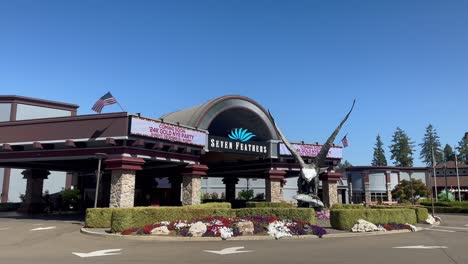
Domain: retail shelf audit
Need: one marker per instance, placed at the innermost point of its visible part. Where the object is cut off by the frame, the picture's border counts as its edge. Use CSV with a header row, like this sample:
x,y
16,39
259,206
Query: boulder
x,y
413,228
197,229
162,230
245,228
364,226
432,220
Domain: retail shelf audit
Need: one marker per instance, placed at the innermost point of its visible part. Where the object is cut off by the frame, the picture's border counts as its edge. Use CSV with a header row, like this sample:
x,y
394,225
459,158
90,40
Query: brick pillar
x,y
230,183
122,193
330,187
273,186
388,180
33,196
191,183
176,190
367,192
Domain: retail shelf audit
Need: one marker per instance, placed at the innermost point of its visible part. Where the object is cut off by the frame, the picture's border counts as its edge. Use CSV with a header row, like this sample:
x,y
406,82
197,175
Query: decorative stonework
x,y
191,183
122,188
273,189
330,193
389,192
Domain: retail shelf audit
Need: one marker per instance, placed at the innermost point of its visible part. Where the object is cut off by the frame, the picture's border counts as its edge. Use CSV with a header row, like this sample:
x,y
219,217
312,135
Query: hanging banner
x,y
311,150
156,129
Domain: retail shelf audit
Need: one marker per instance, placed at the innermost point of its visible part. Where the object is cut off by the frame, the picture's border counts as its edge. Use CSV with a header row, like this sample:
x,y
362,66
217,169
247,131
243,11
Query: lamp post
x,y
99,156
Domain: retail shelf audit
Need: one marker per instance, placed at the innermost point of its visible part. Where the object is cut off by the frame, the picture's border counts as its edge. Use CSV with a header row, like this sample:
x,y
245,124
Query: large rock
x,y
162,230
364,226
197,229
245,228
432,220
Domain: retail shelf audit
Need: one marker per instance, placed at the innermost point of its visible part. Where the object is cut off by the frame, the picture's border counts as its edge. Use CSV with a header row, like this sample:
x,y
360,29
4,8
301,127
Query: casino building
x,y
221,145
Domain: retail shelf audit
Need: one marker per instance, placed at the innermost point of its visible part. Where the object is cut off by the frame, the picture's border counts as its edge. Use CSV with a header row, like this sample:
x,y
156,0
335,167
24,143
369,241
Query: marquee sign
x,y
237,142
311,150
155,129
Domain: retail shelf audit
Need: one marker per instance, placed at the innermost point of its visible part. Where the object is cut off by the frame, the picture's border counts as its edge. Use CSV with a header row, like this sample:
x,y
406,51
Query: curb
x,y
89,231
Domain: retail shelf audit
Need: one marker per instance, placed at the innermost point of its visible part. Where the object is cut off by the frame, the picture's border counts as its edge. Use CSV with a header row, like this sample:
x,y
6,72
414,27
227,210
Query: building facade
x,y
18,108
228,143
373,184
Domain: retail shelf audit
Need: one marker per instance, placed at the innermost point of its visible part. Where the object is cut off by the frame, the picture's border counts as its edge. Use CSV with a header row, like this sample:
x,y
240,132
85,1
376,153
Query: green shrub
x,y
348,206
246,194
123,218
300,214
446,204
98,217
268,204
421,212
449,210
6,207
344,219
210,205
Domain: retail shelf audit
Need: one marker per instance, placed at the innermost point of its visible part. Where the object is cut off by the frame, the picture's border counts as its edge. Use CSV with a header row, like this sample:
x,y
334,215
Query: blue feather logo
x,y
240,134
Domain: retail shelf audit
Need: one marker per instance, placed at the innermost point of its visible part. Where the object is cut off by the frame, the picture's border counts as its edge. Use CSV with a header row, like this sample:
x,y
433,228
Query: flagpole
x,y
458,177
123,110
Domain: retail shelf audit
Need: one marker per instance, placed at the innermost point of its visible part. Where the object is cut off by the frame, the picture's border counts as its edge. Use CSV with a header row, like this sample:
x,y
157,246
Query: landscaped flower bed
x,y
227,227
395,226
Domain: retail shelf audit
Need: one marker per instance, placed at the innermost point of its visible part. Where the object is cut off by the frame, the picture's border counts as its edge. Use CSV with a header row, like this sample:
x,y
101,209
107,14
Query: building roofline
x,y
391,168
37,102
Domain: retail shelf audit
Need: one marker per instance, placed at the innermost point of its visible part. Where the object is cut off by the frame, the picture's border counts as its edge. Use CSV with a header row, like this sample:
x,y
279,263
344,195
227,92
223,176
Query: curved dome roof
x,y
202,116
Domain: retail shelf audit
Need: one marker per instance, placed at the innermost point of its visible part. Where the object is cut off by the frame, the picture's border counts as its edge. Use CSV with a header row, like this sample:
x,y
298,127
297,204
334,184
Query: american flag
x,y
345,141
107,99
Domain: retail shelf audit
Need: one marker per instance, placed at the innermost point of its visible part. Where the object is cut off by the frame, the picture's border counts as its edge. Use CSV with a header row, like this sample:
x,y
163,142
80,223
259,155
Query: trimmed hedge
x,y
267,204
210,205
446,204
348,206
123,218
298,214
7,207
421,212
98,217
449,210
344,219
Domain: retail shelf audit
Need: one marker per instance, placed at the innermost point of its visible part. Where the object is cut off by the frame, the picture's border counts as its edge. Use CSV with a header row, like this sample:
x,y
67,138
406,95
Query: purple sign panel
x,y
155,129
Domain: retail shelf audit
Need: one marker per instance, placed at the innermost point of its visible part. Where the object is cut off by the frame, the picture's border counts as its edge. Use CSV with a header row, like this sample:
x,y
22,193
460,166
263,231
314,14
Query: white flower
x,y
225,232
278,229
180,225
165,223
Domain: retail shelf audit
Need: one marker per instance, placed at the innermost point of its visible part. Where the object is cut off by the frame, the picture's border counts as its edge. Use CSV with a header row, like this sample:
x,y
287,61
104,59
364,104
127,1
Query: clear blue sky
x,y
406,62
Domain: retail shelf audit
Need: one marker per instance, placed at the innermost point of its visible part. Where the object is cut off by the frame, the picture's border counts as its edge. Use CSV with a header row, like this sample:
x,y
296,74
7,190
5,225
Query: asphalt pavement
x,y
60,241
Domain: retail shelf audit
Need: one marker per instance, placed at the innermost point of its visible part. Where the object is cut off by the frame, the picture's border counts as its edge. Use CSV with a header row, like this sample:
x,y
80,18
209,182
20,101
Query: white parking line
x,y
4,228
451,227
440,230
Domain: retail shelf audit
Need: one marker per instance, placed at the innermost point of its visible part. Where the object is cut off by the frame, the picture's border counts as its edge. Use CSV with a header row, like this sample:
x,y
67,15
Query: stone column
x,y
273,188
176,181
33,196
388,180
230,183
191,183
330,187
122,193
367,192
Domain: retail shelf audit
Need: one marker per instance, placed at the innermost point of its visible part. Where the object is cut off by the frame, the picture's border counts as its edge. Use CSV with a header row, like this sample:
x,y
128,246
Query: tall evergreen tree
x,y
463,150
379,154
430,141
402,149
448,153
